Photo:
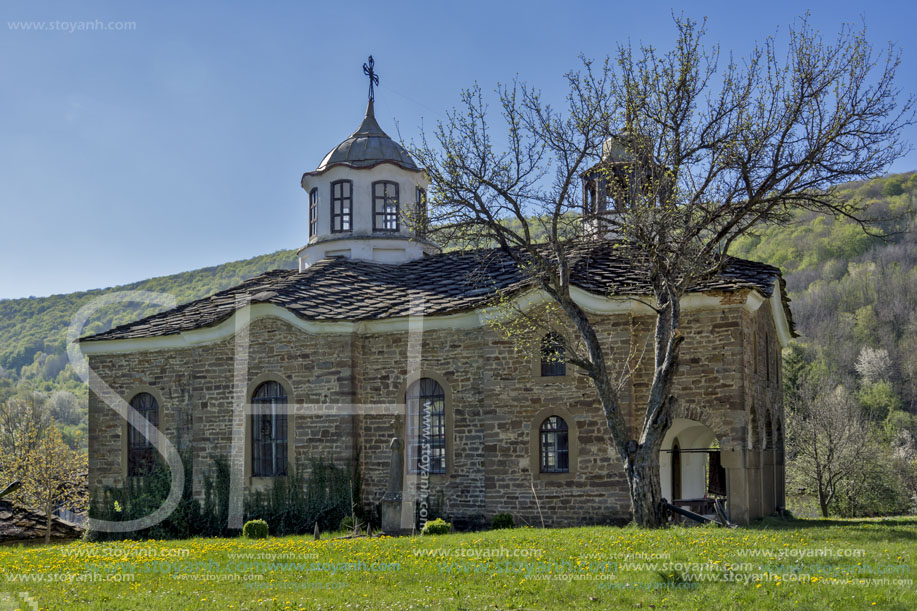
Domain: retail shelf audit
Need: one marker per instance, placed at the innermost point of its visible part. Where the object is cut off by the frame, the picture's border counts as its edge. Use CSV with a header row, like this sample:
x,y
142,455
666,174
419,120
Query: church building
x,y
379,335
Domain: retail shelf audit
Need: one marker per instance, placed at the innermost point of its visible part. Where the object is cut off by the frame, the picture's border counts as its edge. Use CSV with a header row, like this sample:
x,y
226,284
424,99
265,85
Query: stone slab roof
x,y
21,524
342,289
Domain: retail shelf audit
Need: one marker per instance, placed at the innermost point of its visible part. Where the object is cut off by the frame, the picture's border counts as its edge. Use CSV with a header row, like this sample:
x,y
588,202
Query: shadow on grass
x,y
900,526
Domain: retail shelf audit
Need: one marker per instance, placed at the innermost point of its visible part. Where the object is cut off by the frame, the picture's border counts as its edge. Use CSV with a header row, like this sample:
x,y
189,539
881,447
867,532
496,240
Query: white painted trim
x,y
780,320
754,301
590,302
216,333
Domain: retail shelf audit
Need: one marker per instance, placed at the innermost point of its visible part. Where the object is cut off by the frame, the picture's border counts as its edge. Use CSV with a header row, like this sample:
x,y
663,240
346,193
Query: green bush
x,y
503,520
295,503
138,497
346,524
436,527
255,529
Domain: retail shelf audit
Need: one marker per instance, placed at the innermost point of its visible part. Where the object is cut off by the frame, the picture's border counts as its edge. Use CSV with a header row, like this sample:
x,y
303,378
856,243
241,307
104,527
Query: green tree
x,y
23,421
894,185
52,476
878,400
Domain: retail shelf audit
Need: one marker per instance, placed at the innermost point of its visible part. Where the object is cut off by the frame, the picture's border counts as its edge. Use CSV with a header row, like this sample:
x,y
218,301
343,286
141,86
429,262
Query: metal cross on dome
x,y
373,77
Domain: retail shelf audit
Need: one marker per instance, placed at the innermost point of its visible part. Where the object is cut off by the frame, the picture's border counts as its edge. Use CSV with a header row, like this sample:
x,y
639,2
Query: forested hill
x,y
854,297
33,330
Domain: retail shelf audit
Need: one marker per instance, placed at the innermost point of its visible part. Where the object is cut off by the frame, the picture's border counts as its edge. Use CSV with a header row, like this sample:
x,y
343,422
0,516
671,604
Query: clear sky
x,y
180,142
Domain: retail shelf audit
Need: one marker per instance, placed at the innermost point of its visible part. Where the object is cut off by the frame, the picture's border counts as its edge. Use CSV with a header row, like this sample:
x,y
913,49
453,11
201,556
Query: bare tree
x,y
826,440
695,156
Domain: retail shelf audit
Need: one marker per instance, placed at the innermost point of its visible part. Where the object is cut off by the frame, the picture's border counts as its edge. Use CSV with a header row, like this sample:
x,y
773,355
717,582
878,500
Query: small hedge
x,y
503,520
346,524
436,527
255,529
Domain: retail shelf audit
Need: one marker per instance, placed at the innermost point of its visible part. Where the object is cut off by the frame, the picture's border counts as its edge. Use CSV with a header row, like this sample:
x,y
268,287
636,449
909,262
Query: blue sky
x,y
180,143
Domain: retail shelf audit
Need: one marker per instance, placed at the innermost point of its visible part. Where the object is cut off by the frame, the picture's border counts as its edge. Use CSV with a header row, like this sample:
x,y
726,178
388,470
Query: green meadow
x,y
775,564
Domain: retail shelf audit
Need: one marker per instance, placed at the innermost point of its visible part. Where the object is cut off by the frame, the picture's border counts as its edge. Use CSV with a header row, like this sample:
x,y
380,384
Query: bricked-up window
x,y
553,362
341,206
269,431
385,206
426,404
313,212
554,444
141,455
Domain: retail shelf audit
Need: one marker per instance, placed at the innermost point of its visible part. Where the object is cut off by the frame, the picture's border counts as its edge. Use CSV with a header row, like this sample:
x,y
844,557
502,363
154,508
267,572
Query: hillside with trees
x,y
33,360
851,377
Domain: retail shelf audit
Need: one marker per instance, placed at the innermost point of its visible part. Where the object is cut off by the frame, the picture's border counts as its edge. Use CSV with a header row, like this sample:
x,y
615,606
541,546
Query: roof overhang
x,y
365,166
590,302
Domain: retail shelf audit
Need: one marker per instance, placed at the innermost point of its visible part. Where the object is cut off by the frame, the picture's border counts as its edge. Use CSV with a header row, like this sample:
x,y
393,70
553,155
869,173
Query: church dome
x,y
368,146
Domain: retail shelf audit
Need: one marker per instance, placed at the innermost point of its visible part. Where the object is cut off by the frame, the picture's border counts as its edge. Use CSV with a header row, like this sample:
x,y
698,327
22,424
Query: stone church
x,y
380,335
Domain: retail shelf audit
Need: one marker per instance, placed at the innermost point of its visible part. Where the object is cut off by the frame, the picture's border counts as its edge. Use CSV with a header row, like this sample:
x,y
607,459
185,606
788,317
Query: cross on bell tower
x,y
373,77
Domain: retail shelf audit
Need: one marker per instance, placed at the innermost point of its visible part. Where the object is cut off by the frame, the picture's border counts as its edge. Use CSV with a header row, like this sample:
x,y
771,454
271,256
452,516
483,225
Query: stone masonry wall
x,y
496,401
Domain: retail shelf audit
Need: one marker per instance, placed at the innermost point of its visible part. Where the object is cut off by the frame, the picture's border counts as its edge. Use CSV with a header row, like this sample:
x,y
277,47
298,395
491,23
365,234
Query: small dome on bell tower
x,y
367,198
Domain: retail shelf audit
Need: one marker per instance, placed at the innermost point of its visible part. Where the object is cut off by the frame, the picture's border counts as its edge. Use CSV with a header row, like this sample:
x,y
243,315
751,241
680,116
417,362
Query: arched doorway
x,y
689,465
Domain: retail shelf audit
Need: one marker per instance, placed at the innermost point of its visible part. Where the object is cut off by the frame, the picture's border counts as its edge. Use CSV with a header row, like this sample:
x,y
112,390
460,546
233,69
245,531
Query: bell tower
x,y
367,198
626,174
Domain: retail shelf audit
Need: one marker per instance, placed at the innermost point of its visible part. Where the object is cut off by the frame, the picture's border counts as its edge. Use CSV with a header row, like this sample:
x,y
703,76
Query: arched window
x,y
313,212
385,206
426,404
553,362
141,455
341,206
269,430
555,448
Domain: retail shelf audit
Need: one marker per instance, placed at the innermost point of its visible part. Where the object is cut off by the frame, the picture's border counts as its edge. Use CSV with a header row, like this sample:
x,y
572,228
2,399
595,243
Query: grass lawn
x,y
800,564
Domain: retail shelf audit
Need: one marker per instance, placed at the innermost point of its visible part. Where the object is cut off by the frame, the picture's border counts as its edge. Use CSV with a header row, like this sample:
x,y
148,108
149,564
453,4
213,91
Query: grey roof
x,y
367,147
20,524
342,289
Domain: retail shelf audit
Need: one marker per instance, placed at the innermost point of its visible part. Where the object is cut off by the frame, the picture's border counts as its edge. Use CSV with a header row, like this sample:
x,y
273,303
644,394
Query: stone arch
x,y
751,427
717,425
271,376
769,437
689,435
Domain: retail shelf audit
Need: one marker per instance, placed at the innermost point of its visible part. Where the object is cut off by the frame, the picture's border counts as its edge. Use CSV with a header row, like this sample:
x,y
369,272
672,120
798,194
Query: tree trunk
x,y
645,490
823,505
48,522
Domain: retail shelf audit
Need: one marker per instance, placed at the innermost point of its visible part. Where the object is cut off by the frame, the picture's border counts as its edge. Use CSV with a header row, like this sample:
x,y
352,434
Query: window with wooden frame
x,y
313,212
553,361
554,445
385,206
141,454
426,405
269,430
341,206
